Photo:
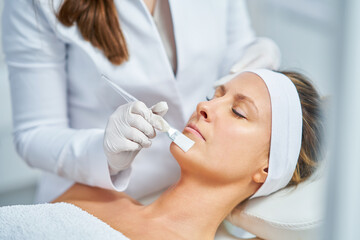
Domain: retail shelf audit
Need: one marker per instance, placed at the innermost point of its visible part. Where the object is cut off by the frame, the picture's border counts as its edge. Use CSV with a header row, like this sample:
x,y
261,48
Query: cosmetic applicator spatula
x,y
175,135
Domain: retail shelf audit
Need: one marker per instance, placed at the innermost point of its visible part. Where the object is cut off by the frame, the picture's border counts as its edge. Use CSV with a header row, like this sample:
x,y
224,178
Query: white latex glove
x,y
130,129
263,53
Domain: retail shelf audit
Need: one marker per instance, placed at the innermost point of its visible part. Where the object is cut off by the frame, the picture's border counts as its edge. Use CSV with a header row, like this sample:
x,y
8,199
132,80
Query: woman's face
x,y
231,132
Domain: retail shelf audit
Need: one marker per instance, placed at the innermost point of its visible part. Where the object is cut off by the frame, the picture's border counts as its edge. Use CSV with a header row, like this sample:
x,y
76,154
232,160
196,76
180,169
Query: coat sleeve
x,y
36,60
241,37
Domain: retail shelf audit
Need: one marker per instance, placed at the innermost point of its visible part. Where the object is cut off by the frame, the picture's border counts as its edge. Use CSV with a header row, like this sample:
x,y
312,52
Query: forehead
x,y
247,83
248,80
251,85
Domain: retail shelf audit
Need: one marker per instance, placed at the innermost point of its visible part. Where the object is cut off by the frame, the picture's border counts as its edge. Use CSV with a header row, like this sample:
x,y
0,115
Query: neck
x,y
193,209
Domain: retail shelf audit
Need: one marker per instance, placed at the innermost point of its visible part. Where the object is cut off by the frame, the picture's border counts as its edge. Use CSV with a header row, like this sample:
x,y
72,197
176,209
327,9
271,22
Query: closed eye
x,y
239,115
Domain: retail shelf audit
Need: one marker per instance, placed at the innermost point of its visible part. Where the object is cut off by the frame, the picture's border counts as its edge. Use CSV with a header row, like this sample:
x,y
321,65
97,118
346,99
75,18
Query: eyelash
x,y
238,115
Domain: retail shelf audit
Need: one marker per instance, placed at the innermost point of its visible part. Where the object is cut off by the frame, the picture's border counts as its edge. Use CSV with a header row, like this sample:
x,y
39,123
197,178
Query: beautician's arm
x,y
36,60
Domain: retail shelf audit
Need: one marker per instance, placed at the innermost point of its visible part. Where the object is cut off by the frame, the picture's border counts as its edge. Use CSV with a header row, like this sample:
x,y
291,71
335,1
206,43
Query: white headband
x,y
286,130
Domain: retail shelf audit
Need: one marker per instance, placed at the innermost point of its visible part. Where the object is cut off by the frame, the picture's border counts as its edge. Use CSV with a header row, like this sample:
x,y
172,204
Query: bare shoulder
x,y
83,193
114,208
99,202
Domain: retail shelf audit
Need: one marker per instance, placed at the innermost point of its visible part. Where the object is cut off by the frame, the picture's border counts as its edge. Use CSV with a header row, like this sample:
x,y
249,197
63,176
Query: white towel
x,y
53,221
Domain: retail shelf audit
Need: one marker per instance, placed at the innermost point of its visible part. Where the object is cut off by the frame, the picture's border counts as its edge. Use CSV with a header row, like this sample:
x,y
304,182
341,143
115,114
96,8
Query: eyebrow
x,y
240,97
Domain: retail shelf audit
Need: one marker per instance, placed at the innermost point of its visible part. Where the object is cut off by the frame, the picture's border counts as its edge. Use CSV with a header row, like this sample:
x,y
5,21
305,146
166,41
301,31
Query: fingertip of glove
x,y
147,144
160,108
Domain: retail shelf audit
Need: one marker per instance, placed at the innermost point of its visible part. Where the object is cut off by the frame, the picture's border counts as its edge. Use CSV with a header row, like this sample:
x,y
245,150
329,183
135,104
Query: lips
x,y
193,129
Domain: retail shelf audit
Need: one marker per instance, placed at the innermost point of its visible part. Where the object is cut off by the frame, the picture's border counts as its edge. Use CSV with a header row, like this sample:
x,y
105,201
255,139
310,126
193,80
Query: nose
x,y
203,111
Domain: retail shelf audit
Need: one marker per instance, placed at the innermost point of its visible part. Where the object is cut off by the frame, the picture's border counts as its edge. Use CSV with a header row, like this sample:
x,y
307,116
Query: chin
x,y
181,156
190,161
177,152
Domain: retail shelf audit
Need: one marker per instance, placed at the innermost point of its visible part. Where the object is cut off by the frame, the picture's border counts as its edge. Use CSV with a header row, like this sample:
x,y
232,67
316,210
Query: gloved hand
x,y
263,53
130,129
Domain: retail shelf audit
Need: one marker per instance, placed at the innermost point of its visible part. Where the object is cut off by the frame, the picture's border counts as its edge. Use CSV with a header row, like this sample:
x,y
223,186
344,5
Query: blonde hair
x,y
310,151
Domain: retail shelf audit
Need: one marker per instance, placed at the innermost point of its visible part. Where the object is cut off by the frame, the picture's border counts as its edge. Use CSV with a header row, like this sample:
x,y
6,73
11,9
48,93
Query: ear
x,y
261,175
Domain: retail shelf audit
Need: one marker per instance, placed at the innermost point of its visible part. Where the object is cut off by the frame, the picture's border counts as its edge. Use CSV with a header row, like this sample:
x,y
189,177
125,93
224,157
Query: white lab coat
x,y
61,106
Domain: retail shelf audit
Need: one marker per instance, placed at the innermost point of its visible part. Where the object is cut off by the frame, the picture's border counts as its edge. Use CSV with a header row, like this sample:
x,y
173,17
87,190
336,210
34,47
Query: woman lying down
x,y
258,134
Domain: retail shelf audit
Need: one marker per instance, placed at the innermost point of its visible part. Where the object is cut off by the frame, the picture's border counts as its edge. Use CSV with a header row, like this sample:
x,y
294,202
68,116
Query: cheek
x,y
226,142
234,149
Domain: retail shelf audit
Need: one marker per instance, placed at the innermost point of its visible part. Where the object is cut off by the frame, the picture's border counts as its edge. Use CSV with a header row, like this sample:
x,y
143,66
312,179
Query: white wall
x,y
17,180
305,31
343,198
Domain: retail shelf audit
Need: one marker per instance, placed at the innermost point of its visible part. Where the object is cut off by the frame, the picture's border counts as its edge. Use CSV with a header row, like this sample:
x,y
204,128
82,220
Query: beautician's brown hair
x,y
310,152
98,23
